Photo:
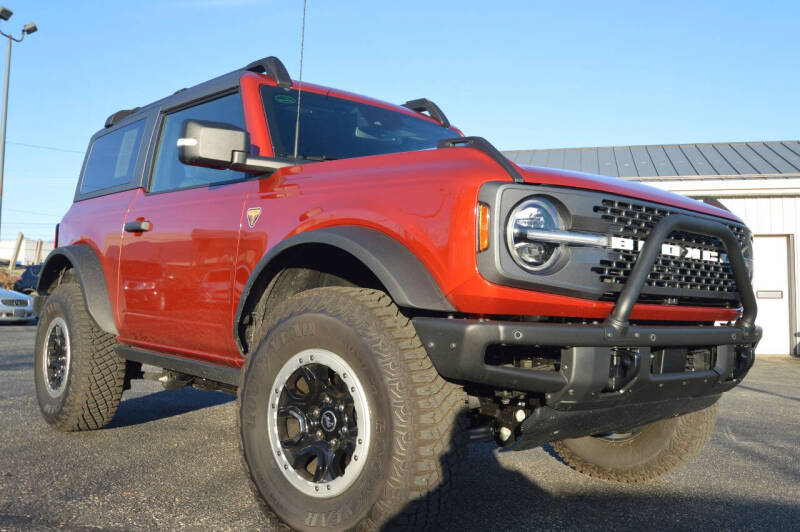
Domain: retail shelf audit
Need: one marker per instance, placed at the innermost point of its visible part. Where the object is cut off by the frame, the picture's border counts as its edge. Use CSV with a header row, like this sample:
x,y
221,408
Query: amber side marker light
x,y
483,227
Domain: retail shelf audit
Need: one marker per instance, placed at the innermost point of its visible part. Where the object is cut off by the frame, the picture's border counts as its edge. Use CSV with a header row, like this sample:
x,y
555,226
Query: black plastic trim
x,y
481,144
177,363
405,277
547,424
457,347
119,115
423,104
92,280
274,68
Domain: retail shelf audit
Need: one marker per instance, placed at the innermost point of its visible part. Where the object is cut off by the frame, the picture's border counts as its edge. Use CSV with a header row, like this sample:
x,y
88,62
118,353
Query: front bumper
x,y
580,380
16,314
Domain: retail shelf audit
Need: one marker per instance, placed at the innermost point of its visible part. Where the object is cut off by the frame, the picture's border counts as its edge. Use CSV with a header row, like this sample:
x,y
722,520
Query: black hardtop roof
x,y
272,66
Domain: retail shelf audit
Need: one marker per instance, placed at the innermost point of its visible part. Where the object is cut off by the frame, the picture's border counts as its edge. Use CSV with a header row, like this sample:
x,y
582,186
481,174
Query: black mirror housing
x,y
221,146
211,144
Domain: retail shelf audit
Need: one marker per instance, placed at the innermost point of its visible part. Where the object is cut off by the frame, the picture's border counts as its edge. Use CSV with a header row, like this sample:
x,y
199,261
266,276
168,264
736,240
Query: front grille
x,y
681,280
14,302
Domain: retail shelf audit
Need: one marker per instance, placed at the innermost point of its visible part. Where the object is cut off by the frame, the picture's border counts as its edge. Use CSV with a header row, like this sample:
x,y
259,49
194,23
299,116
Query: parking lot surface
x,y
170,460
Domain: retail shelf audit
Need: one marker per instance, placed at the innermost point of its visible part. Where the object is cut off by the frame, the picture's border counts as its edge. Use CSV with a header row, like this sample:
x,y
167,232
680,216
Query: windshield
x,y
335,128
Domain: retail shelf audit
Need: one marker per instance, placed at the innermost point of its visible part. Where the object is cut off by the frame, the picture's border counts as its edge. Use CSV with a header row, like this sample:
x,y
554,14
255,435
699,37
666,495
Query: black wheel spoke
x,y
324,463
295,443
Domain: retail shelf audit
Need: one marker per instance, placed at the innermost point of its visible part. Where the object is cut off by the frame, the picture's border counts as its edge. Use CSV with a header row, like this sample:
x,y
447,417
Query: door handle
x,y
139,226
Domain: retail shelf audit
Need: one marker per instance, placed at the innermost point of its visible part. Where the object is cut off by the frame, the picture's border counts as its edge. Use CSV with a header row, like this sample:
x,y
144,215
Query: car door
x,y
176,273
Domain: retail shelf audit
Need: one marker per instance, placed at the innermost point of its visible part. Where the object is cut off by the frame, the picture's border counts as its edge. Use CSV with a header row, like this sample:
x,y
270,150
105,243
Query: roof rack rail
x,y
423,104
274,68
119,115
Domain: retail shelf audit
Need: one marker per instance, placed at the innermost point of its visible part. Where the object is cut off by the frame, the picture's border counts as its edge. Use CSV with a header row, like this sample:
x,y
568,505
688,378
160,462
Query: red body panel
x,y
180,284
98,222
176,280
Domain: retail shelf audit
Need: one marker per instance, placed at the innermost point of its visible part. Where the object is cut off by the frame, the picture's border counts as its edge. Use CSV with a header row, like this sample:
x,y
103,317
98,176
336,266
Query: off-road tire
x,y
419,432
655,450
96,374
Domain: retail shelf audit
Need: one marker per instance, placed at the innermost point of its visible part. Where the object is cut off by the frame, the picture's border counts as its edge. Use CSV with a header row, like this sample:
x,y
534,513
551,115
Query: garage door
x,y
771,284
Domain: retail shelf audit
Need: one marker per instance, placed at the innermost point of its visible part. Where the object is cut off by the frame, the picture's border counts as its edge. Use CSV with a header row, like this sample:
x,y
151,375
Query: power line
x,y
44,177
29,223
41,147
33,212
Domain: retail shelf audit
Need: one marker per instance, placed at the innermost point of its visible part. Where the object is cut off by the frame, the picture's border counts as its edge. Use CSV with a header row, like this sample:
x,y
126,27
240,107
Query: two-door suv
x,y
380,290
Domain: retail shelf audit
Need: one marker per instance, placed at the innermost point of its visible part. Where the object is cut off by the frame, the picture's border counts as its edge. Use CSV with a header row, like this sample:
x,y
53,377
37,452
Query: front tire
x,y
340,378
79,378
644,454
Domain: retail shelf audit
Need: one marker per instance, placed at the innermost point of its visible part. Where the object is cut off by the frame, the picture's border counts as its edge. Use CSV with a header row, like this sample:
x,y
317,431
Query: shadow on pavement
x,y
164,404
488,496
765,392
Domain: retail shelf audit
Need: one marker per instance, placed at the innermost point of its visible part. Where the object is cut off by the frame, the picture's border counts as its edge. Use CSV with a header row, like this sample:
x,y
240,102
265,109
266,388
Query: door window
x,y
169,173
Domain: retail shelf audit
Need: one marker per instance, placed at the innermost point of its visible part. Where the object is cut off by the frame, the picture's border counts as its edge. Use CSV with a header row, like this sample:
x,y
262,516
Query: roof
x,y
673,161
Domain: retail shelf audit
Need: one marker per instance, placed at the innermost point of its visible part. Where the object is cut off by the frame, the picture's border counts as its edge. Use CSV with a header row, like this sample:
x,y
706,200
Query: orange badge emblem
x,y
253,214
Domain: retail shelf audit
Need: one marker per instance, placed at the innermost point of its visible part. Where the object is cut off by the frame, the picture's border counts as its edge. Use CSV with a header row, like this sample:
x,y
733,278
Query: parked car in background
x,y
15,306
26,283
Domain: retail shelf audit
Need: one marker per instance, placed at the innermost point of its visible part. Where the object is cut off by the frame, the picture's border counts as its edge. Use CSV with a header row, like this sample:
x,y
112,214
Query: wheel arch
x,y
83,261
336,256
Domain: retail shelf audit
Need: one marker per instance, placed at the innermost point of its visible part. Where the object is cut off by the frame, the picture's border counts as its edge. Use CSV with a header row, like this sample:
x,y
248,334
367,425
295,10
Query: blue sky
x,y
523,74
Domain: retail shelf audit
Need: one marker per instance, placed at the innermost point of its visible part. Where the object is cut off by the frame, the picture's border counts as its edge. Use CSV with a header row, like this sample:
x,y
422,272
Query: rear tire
x,y
78,376
646,454
408,435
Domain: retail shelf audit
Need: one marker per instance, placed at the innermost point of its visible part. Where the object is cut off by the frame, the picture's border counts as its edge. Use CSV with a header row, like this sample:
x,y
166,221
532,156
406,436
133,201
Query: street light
x,y
29,28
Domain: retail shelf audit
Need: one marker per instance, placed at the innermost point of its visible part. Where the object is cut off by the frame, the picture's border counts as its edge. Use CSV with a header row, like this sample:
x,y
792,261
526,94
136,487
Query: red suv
x,y
379,290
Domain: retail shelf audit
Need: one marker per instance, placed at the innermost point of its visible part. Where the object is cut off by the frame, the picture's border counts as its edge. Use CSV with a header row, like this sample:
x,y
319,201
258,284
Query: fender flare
x,y
406,278
83,259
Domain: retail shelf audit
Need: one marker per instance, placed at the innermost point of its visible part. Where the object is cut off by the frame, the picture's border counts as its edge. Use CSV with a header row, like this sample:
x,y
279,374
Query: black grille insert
x,y
673,279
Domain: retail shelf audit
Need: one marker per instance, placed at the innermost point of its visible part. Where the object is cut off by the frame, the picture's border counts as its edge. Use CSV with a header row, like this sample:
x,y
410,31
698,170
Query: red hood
x,y
566,178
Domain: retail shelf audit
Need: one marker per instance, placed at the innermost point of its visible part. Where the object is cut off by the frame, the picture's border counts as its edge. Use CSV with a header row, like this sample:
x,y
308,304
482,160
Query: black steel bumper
x,y
458,348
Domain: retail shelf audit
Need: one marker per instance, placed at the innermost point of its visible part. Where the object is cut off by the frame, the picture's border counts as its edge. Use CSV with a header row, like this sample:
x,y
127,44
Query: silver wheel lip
x,y
55,393
322,490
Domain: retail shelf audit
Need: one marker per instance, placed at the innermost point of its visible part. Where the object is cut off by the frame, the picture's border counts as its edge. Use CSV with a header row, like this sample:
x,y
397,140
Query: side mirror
x,y
222,146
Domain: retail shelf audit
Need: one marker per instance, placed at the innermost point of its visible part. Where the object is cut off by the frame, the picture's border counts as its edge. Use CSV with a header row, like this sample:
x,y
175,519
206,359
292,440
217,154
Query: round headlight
x,y
530,217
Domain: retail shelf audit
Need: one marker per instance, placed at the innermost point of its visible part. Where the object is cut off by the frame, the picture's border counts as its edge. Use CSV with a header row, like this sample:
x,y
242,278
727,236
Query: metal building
x,y
758,181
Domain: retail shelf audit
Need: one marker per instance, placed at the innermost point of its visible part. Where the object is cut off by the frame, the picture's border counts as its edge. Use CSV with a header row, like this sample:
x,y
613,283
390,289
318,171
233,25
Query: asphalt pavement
x,y
170,460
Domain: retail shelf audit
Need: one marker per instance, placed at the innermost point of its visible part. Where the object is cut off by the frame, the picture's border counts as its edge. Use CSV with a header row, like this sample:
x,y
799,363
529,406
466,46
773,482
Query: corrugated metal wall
x,y
772,216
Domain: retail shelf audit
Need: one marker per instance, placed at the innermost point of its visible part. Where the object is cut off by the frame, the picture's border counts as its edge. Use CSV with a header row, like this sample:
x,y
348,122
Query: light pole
x,y
29,28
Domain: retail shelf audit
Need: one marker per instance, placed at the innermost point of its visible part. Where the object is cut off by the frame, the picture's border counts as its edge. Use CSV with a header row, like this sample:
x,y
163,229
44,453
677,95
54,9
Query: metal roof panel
x,y
653,161
680,162
625,164
606,162
660,160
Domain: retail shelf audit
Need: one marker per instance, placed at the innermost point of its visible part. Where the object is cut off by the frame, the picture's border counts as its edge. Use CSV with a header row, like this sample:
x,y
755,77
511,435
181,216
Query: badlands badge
x,y
253,215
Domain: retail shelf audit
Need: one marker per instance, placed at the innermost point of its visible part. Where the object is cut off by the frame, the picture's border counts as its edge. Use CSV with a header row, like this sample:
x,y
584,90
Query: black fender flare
x,y
405,277
83,259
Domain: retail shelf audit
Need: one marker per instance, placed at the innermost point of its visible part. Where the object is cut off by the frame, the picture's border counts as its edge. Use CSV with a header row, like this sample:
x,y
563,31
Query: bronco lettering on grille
x,y
671,250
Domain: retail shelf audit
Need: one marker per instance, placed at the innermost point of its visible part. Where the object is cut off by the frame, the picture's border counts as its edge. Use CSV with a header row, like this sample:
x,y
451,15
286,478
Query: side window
x,y
171,174
112,158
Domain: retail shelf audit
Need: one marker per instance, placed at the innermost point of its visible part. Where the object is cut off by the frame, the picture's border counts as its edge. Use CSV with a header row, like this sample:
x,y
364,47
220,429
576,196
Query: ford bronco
x,y
380,290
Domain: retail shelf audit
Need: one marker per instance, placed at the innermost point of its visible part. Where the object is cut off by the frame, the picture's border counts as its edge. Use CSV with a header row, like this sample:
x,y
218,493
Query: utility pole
x,y
29,28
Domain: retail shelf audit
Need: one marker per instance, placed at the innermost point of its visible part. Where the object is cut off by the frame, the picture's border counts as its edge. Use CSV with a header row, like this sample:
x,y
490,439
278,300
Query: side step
x,y
204,370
